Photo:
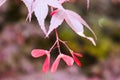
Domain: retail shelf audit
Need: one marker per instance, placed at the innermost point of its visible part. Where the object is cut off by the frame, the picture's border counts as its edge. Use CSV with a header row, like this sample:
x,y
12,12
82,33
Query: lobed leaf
x,y
41,11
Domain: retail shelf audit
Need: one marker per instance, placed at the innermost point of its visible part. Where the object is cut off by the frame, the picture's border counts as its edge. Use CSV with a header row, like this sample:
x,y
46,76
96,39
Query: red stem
x,y
57,40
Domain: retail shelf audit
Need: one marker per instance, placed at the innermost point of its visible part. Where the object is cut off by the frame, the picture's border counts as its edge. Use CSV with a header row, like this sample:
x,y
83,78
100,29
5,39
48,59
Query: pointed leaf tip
x,y
92,40
41,12
89,38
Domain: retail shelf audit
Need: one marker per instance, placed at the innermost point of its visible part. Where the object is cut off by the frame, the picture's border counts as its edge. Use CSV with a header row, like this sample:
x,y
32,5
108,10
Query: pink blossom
x,y
73,20
40,52
2,2
68,60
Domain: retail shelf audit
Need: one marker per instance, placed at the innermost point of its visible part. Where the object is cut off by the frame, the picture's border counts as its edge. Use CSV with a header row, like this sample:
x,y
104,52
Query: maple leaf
x,y
2,2
72,19
68,60
40,52
40,8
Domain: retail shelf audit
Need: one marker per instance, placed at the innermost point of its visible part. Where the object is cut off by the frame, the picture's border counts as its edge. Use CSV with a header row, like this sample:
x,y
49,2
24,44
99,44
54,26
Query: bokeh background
x,y
18,38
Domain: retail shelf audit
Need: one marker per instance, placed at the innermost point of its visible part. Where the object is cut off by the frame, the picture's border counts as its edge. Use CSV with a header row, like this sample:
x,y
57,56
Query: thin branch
x,y
57,40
